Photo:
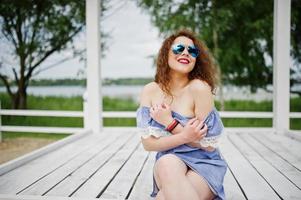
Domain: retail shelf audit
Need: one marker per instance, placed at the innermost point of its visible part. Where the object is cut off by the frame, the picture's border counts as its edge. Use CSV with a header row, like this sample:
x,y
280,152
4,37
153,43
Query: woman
x,y
178,120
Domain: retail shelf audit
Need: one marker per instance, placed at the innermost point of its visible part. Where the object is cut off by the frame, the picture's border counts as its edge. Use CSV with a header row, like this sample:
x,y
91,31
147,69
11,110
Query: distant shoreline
x,y
82,82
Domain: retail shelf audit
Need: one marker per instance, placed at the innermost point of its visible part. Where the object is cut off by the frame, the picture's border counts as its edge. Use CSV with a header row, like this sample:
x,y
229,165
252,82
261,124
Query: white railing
x,y
105,114
44,113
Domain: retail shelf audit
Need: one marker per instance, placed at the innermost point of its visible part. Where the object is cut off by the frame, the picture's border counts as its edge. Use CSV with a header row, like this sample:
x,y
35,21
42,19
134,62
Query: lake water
x,y
69,91
133,92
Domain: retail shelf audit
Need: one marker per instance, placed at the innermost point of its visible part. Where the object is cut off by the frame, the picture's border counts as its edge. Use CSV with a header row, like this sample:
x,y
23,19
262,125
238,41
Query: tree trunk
x,y
19,99
216,56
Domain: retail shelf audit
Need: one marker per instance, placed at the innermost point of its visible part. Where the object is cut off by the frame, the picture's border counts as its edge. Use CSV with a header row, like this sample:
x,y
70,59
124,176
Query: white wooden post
x,y
85,110
93,66
281,62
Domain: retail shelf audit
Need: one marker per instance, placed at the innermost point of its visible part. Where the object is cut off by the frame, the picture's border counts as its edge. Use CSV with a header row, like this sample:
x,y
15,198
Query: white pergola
x,y
281,55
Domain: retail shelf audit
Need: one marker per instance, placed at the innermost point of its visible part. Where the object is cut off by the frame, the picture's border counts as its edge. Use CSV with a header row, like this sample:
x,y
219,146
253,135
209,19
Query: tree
x,y
239,33
35,30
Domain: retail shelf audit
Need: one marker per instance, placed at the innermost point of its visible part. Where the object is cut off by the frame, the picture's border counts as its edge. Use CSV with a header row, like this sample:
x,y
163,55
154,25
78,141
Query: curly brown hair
x,y
204,68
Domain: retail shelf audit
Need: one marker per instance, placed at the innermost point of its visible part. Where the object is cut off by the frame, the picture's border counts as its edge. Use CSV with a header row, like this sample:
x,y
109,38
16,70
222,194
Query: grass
x,y
114,104
12,135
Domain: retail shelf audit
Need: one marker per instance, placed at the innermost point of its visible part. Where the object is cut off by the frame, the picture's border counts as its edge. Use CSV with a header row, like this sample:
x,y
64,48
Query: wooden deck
x,y
113,165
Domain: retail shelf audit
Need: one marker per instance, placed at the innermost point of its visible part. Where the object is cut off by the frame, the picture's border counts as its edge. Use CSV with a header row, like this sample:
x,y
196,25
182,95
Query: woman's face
x,y
182,62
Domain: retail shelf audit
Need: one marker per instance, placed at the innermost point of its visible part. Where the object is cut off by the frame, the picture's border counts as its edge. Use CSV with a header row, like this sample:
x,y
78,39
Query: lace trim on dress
x,y
212,141
154,131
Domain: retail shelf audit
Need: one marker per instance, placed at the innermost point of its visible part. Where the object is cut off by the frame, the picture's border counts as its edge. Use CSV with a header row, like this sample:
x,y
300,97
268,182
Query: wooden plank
x,y
231,187
31,197
10,165
121,185
144,184
284,188
294,134
17,179
293,146
102,178
253,185
46,183
290,172
232,190
281,148
83,174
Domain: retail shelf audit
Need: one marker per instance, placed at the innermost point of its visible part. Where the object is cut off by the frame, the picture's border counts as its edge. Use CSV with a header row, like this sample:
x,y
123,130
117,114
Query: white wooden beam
x,y
10,165
94,96
40,129
281,62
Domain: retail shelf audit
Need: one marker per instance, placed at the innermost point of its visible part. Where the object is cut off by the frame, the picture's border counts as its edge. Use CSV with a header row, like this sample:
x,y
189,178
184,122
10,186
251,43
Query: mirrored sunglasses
x,y
179,48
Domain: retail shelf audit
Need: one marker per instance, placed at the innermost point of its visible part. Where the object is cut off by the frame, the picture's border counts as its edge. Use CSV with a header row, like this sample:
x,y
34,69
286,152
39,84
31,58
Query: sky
x,y
133,39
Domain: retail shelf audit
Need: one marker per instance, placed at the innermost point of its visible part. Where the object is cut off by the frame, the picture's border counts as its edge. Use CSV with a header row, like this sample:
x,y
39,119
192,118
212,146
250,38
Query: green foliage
x,y
231,122
37,28
111,104
295,104
119,122
42,121
244,34
33,30
295,124
55,103
246,105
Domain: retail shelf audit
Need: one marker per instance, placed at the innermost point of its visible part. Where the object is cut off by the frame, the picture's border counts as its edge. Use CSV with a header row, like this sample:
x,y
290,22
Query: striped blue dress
x,y
210,165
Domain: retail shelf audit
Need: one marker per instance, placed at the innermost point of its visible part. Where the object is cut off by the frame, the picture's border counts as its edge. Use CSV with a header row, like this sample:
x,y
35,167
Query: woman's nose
x,y
185,52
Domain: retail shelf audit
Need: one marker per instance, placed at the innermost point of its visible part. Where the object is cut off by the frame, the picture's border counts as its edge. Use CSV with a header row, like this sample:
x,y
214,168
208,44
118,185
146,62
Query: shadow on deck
x,y
113,165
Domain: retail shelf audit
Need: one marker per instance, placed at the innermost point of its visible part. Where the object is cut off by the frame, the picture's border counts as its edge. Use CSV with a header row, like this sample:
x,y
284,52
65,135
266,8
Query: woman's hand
x,y
194,130
161,113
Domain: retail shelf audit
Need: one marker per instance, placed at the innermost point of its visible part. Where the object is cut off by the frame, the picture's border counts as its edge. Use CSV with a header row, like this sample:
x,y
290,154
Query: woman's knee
x,y
170,167
200,185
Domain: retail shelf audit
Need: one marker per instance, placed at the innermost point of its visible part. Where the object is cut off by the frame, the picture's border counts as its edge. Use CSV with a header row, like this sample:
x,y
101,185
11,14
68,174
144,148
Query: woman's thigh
x,y
169,167
200,185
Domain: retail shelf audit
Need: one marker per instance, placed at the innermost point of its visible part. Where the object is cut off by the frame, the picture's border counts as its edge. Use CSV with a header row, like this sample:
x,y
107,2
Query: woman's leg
x,y
170,175
160,196
200,185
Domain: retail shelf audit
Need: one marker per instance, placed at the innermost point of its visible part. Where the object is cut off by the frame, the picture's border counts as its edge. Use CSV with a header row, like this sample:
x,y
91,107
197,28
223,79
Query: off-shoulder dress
x,y
208,164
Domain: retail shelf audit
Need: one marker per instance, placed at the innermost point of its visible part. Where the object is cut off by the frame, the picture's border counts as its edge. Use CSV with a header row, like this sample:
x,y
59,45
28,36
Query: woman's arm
x,y
203,101
163,143
162,114
191,132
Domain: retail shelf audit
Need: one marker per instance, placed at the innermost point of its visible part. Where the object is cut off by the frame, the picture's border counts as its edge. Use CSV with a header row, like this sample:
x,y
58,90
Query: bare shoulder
x,y
202,97
150,88
197,86
147,91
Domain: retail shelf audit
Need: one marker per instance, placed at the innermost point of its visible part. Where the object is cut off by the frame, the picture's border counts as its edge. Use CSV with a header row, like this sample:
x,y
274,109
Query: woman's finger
x,y
165,105
191,121
204,129
200,125
161,106
151,110
196,122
